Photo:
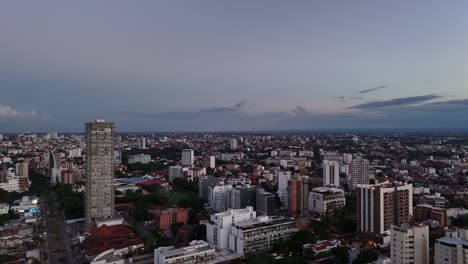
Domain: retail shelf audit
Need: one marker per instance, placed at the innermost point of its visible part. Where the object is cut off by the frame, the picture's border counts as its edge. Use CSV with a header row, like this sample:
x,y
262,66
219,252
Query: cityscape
x,y
231,132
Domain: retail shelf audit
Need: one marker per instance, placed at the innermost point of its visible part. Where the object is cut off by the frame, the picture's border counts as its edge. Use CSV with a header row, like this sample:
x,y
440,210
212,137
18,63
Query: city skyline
x,y
244,66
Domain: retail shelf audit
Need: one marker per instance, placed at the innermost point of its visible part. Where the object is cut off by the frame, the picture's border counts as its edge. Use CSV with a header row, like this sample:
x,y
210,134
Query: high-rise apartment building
x,y
409,244
298,196
282,181
142,143
379,206
360,172
99,191
331,173
219,196
233,143
243,196
187,157
209,162
22,169
265,202
204,184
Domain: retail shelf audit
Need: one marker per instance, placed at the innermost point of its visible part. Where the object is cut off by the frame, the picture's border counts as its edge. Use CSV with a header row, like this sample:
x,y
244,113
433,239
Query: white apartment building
x,y
209,162
453,248
331,173
175,172
219,196
259,235
188,157
11,185
220,224
324,200
4,208
197,251
282,179
409,244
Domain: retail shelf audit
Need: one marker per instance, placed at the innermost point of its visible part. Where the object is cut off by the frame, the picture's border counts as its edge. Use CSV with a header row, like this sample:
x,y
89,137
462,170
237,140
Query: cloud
x,y
236,107
300,111
345,99
373,89
9,112
404,101
175,115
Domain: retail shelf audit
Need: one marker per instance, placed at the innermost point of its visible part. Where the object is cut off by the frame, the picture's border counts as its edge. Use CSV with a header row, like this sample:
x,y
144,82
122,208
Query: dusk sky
x,y
233,65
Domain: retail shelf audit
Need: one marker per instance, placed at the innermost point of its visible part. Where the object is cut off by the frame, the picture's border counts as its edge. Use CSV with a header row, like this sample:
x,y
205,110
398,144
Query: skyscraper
x,y
99,192
360,172
331,173
187,157
379,206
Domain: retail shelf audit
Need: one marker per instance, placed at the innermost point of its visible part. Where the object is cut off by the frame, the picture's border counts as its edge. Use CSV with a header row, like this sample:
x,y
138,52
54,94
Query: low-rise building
x,y
165,218
325,200
259,235
424,212
139,158
196,252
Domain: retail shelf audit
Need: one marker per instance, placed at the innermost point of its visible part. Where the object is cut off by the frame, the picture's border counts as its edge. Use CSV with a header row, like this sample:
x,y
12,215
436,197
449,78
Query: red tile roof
x,y
110,237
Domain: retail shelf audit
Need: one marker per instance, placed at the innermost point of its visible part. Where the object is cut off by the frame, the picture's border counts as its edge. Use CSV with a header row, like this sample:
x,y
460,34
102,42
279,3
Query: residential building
x,y
195,252
4,208
219,196
209,162
453,248
142,143
324,200
282,181
266,203
22,169
359,172
175,172
260,235
203,185
298,196
99,191
139,158
409,244
233,143
435,200
243,196
165,218
219,226
424,212
187,157
381,205
331,173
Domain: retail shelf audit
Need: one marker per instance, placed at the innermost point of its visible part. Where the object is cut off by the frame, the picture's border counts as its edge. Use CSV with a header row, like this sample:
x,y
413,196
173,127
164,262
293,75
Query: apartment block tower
x,y
331,173
409,244
359,172
379,206
187,157
298,196
99,191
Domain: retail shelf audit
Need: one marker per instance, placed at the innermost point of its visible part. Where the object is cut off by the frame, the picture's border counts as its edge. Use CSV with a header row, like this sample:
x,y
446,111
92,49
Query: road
x,y
58,245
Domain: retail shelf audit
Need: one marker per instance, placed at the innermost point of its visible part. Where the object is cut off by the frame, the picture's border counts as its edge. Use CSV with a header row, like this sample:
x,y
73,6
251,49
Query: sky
x,y
233,65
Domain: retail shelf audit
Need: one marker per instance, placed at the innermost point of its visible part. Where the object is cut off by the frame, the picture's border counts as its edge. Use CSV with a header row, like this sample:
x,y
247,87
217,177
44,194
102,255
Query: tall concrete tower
x,y
99,193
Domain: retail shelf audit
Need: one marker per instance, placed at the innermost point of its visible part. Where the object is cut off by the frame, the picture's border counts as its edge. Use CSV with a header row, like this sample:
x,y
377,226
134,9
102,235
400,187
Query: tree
x,y
341,255
366,256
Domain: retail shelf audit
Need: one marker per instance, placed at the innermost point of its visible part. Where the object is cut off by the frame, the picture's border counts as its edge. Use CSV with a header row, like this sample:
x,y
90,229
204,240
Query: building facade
x,y
99,191
266,203
324,200
331,173
209,162
359,172
195,252
409,244
187,157
298,197
381,205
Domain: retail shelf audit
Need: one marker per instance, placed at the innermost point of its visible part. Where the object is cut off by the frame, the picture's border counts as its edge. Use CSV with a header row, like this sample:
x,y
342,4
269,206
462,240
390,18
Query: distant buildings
x,y
425,212
165,218
195,252
203,186
409,244
360,172
331,173
243,196
324,200
142,143
99,192
233,143
187,157
282,181
139,158
175,172
22,169
219,196
380,206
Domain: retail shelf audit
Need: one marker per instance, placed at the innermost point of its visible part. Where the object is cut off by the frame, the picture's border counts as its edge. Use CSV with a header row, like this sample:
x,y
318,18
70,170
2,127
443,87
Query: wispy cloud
x,y
236,107
345,99
373,89
404,101
300,111
9,112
